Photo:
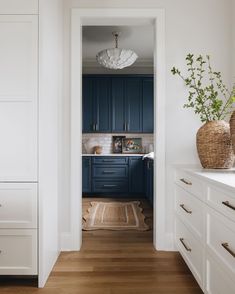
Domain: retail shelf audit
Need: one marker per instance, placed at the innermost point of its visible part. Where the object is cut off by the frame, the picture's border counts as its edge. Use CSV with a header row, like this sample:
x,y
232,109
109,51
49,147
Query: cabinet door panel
x,y
136,175
86,174
88,105
148,105
118,105
18,97
133,104
102,104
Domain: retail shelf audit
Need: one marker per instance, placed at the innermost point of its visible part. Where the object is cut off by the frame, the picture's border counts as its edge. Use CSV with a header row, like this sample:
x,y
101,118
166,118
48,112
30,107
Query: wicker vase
x,y
214,145
232,130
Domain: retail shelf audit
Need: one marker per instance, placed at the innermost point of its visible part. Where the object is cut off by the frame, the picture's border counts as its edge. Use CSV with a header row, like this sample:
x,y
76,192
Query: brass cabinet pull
x,y
226,247
226,203
186,182
185,209
185,246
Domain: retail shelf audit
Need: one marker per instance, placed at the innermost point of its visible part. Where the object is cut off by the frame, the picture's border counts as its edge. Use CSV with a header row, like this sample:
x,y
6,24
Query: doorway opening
x,y
118,17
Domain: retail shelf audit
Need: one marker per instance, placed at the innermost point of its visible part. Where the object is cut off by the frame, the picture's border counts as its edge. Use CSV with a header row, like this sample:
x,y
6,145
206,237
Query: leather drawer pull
x,y
185,246
185,209
186,182
226,203
108,172
226,247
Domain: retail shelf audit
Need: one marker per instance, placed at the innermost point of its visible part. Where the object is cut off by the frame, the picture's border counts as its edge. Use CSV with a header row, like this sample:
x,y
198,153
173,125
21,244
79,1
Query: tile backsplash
x,y
105,140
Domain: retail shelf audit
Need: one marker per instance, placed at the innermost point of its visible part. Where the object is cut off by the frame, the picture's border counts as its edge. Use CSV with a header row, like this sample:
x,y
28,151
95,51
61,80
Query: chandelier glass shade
x,y
116,58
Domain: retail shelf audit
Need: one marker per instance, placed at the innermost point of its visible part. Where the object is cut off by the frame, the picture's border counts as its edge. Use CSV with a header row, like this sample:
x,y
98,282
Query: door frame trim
x,y
104,16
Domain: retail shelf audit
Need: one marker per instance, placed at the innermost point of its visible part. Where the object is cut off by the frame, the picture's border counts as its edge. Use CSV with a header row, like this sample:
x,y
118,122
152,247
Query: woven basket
x,y
214,145
232,130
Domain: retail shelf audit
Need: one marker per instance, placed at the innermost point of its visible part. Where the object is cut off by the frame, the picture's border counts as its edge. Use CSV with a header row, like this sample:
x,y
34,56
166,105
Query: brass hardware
x,y
226,203
185,246
185,209
186,182
226,247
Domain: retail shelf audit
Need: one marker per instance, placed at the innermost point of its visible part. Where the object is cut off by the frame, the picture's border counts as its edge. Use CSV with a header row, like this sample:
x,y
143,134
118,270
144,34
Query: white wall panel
x,y
18,97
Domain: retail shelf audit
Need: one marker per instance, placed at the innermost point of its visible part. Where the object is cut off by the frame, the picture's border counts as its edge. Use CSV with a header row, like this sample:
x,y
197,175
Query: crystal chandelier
x,y
116,58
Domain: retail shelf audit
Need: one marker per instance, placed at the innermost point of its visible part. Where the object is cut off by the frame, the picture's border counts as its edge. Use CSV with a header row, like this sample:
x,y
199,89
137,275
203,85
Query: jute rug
x,y
115,216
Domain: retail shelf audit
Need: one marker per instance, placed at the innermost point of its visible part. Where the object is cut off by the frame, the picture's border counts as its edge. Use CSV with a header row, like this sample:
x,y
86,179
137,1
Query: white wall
x,y
198,26
50,89
233,38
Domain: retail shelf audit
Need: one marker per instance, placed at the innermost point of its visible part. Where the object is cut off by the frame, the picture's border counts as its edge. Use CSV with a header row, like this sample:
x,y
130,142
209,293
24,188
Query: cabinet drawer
x,y
221,201
18,205
18,252
221,238
99,171
191,184
191,250
191,211
217,280
120,186
110,160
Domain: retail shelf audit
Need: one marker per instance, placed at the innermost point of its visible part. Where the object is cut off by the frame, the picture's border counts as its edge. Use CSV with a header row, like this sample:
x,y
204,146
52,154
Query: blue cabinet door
x,y
148,105
87,105
136,175
133,104
86,174
149,179
118,105
102,102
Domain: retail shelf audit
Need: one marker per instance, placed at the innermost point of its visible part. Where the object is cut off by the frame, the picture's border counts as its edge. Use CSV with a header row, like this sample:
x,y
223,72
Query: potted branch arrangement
x,y
213,102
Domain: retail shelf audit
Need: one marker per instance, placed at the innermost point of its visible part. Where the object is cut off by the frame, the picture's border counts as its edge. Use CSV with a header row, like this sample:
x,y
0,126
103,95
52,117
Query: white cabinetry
x,y
205,228
19,141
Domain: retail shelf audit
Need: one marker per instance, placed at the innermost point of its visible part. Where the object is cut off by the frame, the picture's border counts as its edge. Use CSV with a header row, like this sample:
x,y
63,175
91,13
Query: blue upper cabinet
x,y
117,104
133,105
148,105
96,104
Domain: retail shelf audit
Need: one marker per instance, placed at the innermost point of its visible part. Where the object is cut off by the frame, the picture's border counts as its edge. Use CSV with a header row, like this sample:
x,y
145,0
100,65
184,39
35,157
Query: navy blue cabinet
x,y
148,105
109,175
118,104
149,179
86,174
136,178
96,104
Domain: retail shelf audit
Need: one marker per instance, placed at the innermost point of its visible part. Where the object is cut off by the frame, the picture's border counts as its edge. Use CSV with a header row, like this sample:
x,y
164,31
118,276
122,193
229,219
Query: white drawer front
x,y
18,205
191,184
191,250
221,238
18,252
191,211
223,202
217,281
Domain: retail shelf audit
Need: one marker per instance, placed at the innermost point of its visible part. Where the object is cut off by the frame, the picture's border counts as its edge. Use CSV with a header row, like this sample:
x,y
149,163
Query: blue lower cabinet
x,y
149,179
113,175
136,175
86,174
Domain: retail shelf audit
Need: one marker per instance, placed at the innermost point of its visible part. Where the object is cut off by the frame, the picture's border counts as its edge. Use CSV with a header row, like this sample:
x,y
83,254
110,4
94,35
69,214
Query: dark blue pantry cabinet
x,y
120,175
118,103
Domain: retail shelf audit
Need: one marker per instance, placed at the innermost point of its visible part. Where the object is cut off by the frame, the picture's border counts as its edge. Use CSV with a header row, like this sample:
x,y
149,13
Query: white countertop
x,y
222,177
116,154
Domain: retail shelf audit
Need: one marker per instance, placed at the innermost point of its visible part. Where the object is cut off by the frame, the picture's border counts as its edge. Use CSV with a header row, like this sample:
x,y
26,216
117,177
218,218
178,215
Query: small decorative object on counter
x,y
98,150
117,144
132,145
214,144
232,130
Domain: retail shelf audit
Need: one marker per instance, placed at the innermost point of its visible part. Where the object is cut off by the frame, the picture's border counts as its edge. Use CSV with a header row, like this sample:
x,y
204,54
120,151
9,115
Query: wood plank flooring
x,y
113,262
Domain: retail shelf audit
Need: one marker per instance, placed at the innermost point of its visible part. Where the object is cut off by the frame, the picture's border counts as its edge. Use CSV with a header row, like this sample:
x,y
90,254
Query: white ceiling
x,y
138,38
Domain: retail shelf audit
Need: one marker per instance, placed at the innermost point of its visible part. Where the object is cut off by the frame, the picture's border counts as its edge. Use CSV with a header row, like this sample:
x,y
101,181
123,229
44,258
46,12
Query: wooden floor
x,y
114,263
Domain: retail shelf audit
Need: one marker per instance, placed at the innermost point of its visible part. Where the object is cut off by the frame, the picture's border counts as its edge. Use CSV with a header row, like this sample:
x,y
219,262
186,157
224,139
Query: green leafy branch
x,y
208,95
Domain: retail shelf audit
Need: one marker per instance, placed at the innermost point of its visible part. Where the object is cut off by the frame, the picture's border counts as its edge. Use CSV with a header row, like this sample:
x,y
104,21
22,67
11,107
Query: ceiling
x,y
138,38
